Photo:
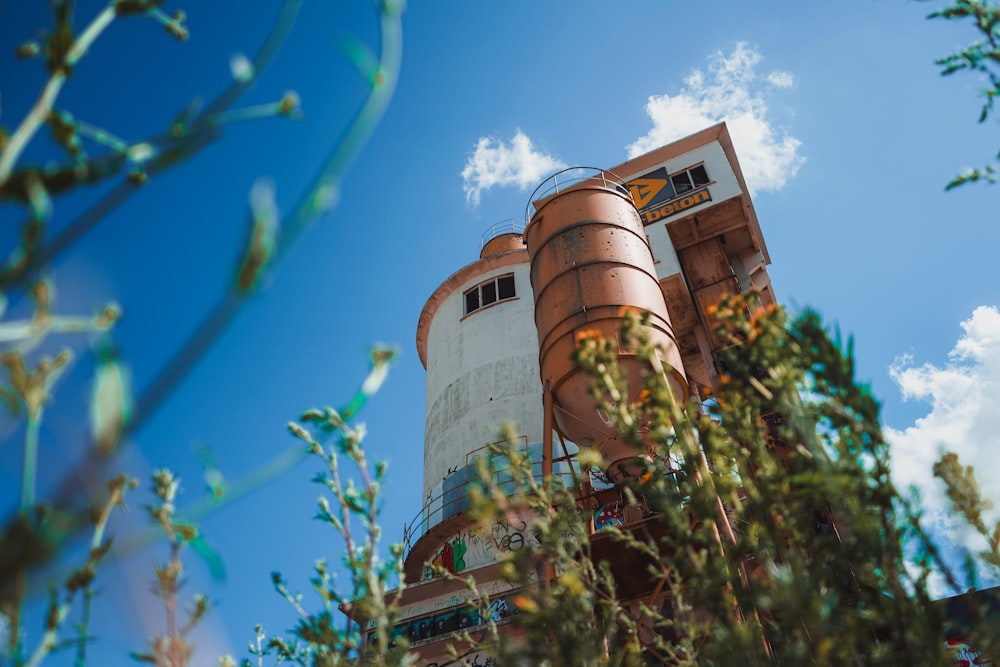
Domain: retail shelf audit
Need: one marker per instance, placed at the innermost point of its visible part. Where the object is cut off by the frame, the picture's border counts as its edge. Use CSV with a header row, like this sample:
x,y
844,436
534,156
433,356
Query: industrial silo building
x,y
668,233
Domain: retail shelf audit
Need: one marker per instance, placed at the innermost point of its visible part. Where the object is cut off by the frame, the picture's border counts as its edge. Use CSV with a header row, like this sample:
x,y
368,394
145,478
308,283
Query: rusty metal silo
x,y
590,265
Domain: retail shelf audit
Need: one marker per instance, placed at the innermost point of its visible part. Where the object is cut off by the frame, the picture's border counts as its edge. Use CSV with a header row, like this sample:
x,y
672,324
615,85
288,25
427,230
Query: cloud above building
x,y
731,89
963,418
496,163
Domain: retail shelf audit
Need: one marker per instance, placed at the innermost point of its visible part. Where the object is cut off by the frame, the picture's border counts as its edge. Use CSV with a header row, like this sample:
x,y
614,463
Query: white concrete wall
x,y
664,256
482,371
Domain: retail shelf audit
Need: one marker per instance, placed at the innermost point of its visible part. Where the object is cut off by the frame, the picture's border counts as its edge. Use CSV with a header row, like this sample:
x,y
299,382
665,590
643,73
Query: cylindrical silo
x,y
476,338
590,265
478,345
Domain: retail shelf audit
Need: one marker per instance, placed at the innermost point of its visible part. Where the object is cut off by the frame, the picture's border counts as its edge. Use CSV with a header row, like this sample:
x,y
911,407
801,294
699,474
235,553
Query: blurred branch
x,y
82,578
381,360
316,199
185,138
40,111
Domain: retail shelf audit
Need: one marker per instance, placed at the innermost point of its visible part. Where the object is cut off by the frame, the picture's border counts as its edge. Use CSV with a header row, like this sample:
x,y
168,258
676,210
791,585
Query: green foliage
x,y
172,648
565,596
963,492
31,538
354,515
41,530
981,57
774,534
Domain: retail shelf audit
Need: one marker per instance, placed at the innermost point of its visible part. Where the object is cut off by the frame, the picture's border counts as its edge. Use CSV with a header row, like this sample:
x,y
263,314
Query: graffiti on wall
x,y
475,659
479,546
451,557
453,620
609,515
964,655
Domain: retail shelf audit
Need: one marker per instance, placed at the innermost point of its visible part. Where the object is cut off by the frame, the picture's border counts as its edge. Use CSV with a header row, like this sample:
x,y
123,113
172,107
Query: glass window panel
x,y
682,182
699,176
489,293
505,285
471,301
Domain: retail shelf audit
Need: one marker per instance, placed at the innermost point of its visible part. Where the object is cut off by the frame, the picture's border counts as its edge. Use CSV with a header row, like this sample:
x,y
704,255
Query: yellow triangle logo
x,y
645,189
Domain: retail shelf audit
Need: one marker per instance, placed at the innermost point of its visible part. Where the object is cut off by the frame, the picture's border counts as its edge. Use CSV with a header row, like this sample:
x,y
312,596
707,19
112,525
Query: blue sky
x,y
839,116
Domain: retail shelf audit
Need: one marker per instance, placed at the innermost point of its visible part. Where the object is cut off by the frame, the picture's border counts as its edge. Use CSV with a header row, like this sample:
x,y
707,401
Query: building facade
x,y
670,233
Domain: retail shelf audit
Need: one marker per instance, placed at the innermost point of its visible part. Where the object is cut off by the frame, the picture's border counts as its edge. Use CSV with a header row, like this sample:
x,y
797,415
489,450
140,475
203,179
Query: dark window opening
x,y
505,285
689,179
682,182
699,176
497,289
489,293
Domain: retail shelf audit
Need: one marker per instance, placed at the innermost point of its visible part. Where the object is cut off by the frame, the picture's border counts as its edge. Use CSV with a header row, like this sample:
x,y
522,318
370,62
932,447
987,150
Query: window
x,y
689,179
496,289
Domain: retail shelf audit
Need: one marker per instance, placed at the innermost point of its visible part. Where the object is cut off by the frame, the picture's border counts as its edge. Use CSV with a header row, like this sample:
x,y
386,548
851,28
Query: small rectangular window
x,y
690,179
496,289
489,293
471,301
682,182
505,286
699,176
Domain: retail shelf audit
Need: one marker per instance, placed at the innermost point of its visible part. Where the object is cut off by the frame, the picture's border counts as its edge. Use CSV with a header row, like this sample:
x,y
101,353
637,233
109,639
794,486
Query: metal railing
x,y
572,178
454,498
508,226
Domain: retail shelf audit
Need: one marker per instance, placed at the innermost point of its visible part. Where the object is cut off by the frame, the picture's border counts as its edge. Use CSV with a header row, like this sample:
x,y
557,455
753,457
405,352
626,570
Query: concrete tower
x,y
670,232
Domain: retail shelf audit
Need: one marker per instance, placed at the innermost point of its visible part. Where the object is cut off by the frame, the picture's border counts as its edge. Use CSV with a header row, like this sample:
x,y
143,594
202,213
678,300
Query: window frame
x,y
492,284
690,180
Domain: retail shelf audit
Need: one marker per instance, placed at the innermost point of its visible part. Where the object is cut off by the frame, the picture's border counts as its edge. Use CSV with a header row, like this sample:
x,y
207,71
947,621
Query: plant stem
x,y
43,106
29,126
81,647
49,638
175,640
29,473
16,640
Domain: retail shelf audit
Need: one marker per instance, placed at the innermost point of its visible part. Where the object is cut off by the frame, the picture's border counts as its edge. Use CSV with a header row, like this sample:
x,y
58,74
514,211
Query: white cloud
x,y
963,418
729,91
497,164
780,79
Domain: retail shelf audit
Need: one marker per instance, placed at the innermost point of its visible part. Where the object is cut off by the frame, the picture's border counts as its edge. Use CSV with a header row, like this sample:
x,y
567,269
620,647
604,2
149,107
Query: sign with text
x,y
656,199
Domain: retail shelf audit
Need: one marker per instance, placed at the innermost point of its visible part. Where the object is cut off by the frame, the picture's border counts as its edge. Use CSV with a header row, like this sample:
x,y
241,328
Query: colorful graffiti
x,y
453,620
964,655
479,546
977,608
609,515
452,556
